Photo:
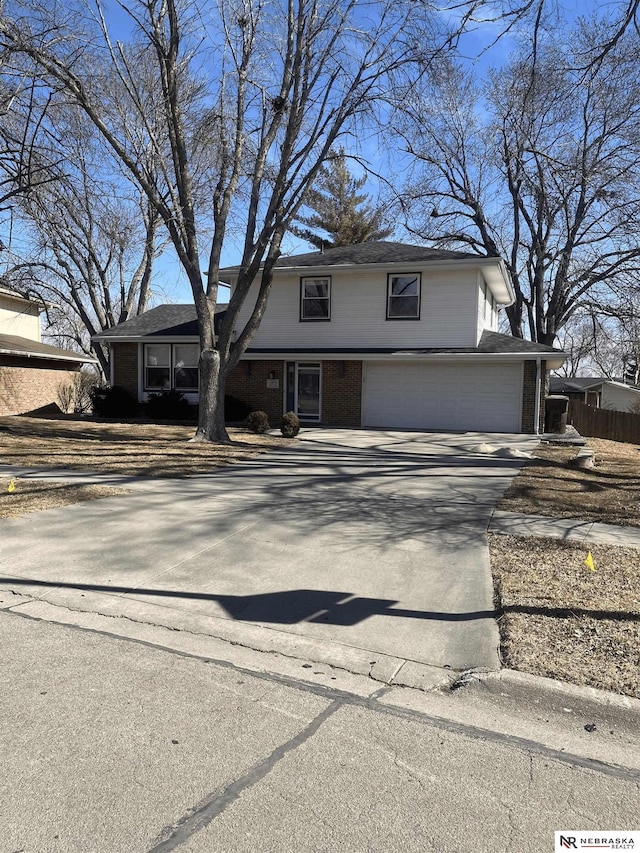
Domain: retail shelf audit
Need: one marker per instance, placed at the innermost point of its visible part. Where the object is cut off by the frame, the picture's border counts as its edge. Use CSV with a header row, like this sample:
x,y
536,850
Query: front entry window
x,y
308,391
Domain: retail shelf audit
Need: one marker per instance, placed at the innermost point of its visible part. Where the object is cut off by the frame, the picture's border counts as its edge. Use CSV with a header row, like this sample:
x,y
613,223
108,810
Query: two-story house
x,y
31,372
370,335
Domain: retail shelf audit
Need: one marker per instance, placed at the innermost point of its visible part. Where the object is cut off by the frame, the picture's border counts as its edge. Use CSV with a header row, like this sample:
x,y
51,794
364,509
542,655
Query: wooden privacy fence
x,y
604,423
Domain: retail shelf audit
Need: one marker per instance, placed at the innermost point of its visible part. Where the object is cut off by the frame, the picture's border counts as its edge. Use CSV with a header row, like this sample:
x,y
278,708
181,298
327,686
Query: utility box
x,y
555,415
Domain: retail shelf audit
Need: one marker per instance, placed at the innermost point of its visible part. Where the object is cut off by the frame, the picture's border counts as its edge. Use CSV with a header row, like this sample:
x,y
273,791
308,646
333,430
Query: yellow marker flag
x,y
12,486
589,562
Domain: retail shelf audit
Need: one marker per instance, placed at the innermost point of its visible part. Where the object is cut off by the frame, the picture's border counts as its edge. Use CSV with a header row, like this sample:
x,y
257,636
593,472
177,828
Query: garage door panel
x,y
450,395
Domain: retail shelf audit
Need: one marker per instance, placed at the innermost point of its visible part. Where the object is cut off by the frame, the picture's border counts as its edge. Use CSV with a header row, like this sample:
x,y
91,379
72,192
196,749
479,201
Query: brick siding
x,y
341,390
529,397
25,386
248,382
125,366
342,393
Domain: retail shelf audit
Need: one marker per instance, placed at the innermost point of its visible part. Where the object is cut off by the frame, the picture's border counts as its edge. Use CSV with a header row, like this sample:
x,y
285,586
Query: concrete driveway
x,y
350,542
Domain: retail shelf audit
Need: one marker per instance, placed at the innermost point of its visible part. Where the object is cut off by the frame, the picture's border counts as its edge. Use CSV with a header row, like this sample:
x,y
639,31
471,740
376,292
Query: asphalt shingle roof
x,y
376,252
170,320
491,343
561,384
15,345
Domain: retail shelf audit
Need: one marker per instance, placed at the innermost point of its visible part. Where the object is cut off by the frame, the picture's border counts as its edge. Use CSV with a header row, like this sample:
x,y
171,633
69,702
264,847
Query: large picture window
x,y
403,296
315,299
169,366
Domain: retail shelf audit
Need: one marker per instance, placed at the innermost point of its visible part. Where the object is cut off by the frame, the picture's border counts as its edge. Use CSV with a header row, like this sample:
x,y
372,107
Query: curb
x,y
556,695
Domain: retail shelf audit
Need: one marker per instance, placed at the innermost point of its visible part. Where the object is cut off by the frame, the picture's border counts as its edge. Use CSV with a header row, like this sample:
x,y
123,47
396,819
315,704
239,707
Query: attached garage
x,y
446,395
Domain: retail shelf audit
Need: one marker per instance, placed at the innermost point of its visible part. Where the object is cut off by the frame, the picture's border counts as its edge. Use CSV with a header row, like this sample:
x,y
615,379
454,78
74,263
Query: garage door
x,y
449,395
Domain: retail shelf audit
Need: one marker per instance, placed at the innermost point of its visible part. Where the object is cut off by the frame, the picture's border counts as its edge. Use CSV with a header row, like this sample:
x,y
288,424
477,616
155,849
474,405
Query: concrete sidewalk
x,y
569,529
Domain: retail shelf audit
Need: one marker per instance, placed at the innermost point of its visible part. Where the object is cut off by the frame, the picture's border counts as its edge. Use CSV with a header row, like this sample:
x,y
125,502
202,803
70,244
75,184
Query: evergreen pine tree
x,y
340,212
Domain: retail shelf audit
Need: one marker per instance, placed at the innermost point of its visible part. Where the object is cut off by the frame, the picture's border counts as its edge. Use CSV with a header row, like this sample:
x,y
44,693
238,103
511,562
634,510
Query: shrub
x,y
169,405
235,409
112,401
258,422
74,396
290,425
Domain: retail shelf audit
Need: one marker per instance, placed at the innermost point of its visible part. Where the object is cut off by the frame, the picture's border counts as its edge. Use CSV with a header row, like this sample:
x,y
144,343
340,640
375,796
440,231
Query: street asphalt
x,y
293,654
115,746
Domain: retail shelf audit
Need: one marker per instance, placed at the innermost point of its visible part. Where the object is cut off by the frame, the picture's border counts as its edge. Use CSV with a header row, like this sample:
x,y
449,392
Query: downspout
x,y
536,408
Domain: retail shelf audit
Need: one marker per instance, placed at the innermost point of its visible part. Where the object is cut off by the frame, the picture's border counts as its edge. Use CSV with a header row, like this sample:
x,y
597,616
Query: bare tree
x,y
541,171
261,90
92,250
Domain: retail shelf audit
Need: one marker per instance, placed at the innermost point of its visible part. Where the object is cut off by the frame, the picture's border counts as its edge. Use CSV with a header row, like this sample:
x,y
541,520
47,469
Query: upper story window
x,y
171,366
315,298
403,296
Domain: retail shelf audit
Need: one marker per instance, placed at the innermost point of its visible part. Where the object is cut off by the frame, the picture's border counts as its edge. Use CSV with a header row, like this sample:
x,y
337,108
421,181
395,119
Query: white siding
x,y
620,399
487,315
19,317
448,315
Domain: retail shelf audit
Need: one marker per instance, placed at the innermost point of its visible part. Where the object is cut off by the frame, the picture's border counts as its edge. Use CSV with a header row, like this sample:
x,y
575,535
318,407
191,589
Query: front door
x,y
308,391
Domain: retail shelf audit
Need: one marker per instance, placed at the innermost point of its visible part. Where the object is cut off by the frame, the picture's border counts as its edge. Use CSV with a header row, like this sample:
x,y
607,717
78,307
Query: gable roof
x,y
374,252
575,384
17,346
164,320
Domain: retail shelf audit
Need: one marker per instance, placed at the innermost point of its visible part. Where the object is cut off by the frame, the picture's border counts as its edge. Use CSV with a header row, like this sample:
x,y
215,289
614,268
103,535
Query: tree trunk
x,y
211,426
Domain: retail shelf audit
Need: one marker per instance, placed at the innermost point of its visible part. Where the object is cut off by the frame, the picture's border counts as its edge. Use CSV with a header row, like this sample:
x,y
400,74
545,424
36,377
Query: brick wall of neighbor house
x,y
125,366
248,382
529,396
342,393
28,384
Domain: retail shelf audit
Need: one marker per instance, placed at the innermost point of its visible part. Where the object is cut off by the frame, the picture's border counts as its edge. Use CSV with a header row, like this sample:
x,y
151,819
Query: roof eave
x,y
409,355
48,356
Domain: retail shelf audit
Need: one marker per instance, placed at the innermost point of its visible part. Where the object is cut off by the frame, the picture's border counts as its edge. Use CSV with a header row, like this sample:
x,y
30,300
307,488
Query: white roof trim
x,y
84,359
403,355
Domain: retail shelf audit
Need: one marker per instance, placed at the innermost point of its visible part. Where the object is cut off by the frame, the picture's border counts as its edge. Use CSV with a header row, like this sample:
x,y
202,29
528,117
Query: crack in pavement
x,y
197,819
235,643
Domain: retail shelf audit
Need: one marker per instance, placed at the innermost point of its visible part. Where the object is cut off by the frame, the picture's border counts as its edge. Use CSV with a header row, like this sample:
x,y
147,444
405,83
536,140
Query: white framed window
x,y
185,366
157,367
315,298
403,296
169,366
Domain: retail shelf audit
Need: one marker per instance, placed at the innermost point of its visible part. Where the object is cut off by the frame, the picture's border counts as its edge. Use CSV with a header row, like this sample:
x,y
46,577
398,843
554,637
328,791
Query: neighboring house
x,y
31,372
372,335
598,392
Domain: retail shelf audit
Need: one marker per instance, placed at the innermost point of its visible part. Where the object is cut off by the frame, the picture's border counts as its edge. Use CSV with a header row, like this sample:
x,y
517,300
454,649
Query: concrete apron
x,y
353,547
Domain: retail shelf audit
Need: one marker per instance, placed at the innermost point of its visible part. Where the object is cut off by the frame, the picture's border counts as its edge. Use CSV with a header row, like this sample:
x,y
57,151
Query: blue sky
x,y
476,48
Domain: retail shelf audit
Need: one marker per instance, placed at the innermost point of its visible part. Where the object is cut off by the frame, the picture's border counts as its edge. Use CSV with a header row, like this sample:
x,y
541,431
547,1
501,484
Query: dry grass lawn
x,y
609,493
134,449
35,495
561,620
